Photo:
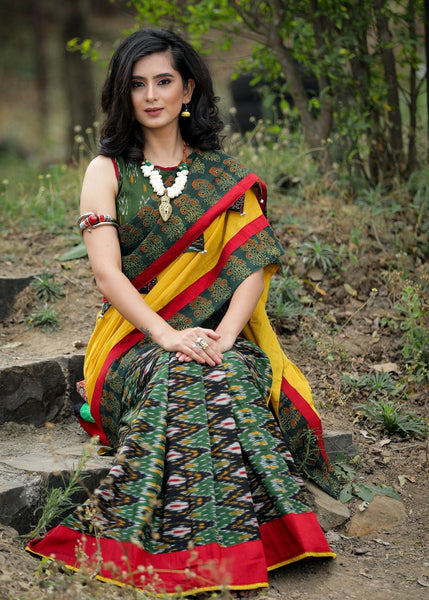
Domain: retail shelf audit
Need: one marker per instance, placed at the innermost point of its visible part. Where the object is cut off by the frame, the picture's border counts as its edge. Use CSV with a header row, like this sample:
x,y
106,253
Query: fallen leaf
x,y
350,291
382,542
365,574
12,345
79,344
387,368
315,274
384,442
315,286
403,478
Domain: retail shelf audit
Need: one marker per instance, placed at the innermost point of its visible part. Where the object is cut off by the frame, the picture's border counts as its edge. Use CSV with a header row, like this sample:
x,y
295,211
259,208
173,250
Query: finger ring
x,y
193,345
201,343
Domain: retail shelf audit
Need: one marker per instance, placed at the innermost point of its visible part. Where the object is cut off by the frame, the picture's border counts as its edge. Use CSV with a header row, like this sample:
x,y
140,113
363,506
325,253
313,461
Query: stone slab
x,y
33,393
58,463
339,443
381,514
23,490
330,513
18,504
10,287
73,367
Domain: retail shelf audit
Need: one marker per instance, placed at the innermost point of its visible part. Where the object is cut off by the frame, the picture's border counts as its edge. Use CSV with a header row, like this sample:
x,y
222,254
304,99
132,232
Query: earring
x,y
185,112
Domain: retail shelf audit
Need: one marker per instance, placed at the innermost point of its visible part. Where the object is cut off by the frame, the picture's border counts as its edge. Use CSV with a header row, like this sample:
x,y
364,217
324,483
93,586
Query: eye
x,y
164,81
136,84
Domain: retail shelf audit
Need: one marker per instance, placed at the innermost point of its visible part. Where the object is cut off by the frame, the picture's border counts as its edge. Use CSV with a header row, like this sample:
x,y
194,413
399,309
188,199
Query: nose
x,y
151,94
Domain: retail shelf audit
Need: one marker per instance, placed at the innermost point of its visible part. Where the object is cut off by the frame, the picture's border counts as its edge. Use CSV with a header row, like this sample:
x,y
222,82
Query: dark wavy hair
x,y
121,134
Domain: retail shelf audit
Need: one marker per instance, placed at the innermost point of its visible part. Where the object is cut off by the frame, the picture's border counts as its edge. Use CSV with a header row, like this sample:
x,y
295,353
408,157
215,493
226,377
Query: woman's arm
x,y
242,304
99,191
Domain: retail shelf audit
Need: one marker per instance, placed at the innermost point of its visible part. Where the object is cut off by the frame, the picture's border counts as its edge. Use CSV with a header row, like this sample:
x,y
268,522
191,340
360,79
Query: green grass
x,y
46,288
32,198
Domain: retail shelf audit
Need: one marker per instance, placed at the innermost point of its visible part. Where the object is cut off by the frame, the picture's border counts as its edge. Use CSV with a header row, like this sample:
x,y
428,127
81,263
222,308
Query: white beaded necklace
x,y
165,194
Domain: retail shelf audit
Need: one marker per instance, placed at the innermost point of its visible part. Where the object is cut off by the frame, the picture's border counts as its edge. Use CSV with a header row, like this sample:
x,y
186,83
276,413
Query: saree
x,y
206,490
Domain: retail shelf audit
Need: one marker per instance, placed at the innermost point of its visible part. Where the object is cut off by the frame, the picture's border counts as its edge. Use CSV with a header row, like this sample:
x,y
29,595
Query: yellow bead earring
x,y
185,112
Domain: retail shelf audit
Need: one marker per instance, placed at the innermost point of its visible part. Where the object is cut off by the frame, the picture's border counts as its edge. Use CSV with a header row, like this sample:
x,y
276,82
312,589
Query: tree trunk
x,y
78,72
412,158
38,27
427,65
389,68
360,67
316,131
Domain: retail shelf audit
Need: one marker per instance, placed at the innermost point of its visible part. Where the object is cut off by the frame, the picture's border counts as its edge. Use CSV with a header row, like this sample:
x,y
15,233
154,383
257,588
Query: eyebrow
x,y
159,76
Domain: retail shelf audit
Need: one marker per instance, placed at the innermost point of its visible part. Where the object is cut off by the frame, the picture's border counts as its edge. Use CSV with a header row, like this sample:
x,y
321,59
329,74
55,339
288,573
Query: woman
x,y
183,371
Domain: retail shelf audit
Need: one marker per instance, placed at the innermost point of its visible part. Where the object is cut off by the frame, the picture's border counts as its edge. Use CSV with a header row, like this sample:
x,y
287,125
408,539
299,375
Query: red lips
x,y
153,111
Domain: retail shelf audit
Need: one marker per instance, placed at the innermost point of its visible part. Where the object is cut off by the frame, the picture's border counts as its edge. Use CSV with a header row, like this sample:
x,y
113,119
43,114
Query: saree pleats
x,y
204,492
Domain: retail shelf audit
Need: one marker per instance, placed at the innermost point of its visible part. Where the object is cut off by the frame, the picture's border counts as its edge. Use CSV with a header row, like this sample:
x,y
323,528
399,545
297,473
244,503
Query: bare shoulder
x,y
101,165
100,186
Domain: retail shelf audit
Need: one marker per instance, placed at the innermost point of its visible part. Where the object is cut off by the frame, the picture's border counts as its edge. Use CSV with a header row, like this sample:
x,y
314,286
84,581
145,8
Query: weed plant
x,y
414,310
373,385
47,201
315,253
284,303
393,417
346,472
384,406
59,500
46,318
46,288
274,151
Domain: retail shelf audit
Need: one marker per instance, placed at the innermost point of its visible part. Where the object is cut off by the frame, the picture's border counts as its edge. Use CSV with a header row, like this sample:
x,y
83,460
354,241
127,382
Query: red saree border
x,y
195,230
245,565
307,412
292,537
125,344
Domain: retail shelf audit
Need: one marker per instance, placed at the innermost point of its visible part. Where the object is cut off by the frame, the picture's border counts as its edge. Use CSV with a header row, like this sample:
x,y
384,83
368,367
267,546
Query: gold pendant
x,y
165,209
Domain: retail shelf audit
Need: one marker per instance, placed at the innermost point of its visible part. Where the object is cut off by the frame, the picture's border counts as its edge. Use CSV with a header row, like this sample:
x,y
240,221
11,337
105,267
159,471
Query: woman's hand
x,y
196,343
213,344
214,351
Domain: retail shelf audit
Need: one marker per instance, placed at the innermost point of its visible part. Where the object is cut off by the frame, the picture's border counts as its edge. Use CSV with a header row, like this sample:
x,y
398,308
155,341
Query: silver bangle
x,y
91,220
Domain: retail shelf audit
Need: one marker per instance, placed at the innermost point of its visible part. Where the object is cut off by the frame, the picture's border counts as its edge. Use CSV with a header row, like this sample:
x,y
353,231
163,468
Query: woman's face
x,y
157,91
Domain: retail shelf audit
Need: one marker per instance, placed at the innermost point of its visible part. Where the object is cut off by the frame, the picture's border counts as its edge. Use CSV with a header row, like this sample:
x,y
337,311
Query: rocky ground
x,y
382,549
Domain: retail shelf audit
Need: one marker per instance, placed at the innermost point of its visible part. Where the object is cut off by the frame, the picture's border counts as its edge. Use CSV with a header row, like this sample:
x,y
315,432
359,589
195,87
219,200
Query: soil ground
x,y
389,563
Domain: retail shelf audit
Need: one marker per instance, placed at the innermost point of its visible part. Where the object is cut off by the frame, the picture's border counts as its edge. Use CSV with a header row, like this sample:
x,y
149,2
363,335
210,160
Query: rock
x,y
9,289
22,495
339,442
362,550
73,367
315,274
381,514
17,507
330,513
32,393
387,368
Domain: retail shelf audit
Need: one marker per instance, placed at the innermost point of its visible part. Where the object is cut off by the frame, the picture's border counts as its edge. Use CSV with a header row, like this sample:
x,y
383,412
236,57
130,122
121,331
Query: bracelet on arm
x,y
91,220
